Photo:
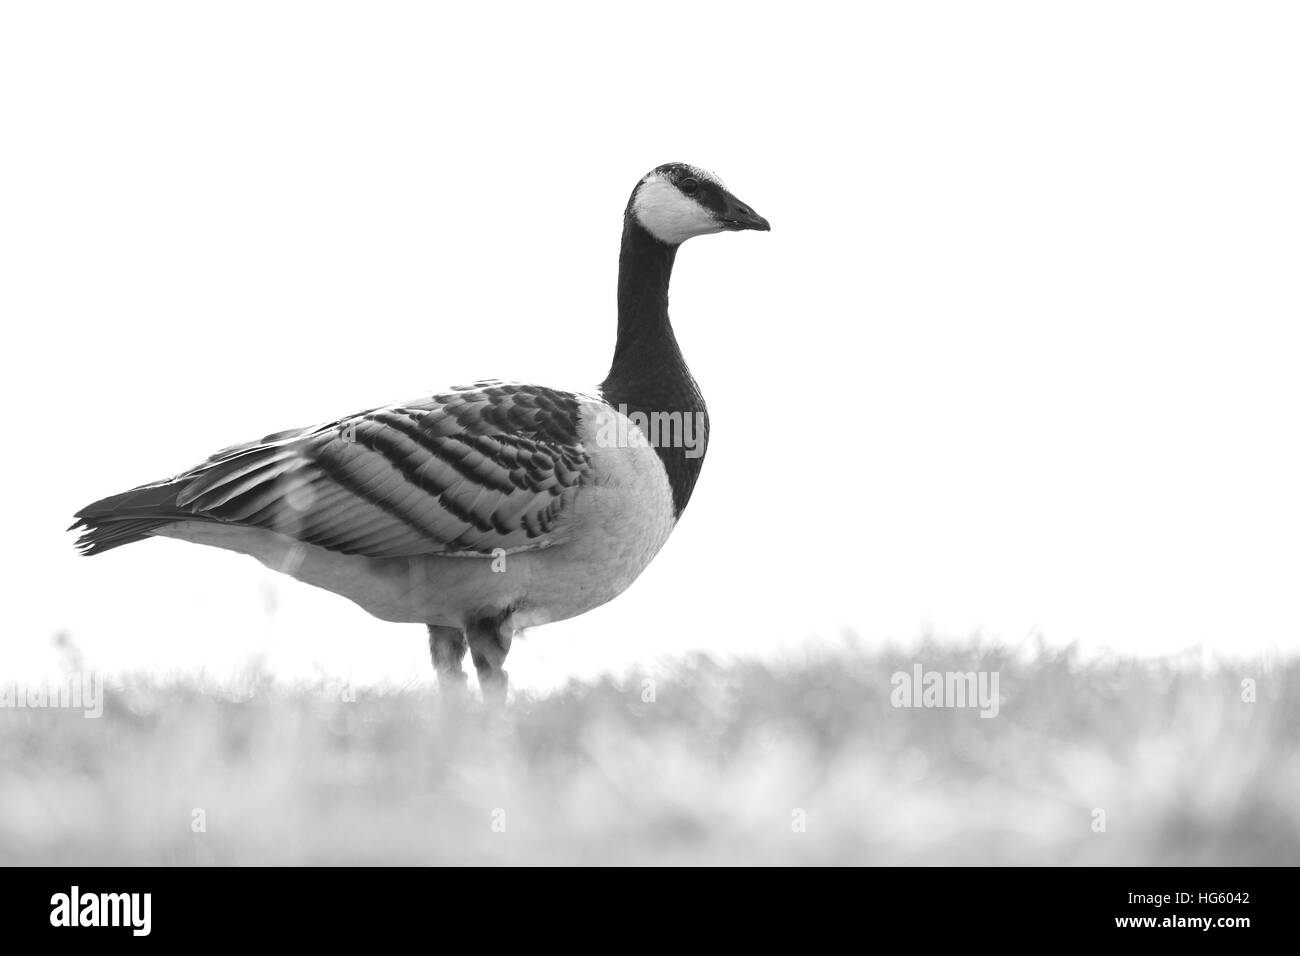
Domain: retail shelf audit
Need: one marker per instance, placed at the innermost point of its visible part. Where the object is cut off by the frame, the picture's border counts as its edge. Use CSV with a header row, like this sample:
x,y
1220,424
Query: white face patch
x,y
670,215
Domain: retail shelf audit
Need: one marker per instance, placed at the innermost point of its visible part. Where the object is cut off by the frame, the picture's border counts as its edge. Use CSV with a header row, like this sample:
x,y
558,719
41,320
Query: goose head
x,y
676,201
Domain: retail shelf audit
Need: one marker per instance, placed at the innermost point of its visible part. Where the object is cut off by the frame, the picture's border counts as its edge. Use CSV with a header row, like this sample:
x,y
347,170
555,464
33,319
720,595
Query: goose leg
x,y
447,648
489,643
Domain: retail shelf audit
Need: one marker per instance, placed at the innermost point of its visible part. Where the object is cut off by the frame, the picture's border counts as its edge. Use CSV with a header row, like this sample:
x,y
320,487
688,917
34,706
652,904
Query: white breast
x,y
622,520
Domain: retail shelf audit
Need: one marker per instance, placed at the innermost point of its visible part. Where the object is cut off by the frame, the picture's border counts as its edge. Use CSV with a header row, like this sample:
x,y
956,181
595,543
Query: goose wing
x,y
488,466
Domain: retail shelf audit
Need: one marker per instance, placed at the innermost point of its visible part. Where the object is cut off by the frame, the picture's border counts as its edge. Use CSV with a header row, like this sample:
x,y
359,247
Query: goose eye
x,y
689,186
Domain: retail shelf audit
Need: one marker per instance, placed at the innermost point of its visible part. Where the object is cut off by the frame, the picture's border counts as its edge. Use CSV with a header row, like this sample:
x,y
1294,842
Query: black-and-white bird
x,y
486,508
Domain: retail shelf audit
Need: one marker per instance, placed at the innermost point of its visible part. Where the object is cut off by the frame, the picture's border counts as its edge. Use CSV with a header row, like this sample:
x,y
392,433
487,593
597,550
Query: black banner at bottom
x,y
334,905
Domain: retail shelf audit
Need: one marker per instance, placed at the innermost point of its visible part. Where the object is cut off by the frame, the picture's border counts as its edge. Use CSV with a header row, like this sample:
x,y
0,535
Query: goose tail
x,y
125,518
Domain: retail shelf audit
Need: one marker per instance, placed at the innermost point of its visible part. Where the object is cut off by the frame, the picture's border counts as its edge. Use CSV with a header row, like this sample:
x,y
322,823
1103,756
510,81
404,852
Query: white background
x,y
1018,357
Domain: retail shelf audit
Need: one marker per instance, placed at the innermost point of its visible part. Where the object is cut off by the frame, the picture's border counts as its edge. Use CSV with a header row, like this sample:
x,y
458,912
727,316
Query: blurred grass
x,y
711,771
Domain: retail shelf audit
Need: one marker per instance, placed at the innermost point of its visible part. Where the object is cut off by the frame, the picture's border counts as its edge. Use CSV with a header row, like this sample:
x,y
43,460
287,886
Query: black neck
x,y
648,374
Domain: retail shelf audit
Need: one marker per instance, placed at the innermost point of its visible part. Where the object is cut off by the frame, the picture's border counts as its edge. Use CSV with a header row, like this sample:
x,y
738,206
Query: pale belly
x,y
617,526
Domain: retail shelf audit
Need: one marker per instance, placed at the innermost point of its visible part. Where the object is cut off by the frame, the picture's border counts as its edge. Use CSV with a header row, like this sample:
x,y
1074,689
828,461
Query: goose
x,y
486,508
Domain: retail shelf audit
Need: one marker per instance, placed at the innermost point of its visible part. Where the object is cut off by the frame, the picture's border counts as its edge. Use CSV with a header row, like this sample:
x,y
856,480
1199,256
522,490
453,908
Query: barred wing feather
x,y
492,465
